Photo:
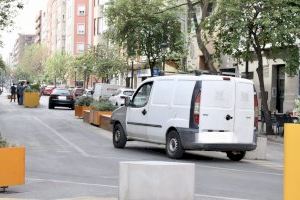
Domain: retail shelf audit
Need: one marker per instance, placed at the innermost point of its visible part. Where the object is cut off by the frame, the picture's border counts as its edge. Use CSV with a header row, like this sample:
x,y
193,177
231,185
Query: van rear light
x,y
256,111
197,109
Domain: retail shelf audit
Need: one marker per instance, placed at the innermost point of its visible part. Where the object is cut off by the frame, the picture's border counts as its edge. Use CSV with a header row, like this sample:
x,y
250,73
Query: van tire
x,y
236,155
119,137
174,147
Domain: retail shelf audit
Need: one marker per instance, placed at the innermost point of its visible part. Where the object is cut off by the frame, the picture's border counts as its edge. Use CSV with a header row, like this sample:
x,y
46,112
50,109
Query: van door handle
x,y
228,117
144,112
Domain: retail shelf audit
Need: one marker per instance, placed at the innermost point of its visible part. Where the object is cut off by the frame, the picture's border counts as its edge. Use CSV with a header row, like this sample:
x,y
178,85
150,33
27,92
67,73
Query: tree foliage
x,y
56,66
32,61
8,11
139,27
241,27
107,61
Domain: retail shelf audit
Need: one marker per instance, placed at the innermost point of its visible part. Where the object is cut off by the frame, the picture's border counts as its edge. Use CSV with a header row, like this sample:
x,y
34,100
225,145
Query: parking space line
x,y
71,182
240,170
77,148
218,197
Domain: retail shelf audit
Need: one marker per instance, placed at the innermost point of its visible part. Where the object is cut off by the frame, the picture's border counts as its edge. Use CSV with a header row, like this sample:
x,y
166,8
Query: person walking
x,y
20,93
13,91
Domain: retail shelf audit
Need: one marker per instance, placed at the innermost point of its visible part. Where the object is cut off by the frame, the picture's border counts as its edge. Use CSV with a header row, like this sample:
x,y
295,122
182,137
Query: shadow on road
x,y
188,156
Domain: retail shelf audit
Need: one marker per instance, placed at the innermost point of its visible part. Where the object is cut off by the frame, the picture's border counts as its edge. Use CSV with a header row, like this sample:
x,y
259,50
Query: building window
x,y
81,10
99,25
80,48
80,29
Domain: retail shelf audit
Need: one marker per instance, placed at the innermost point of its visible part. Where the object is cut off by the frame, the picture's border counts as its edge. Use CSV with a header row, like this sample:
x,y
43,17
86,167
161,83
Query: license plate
x,y
62,98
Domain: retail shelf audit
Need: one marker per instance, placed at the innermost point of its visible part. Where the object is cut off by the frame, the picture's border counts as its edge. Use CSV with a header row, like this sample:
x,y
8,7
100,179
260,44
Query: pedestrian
x,y
13,91
20,93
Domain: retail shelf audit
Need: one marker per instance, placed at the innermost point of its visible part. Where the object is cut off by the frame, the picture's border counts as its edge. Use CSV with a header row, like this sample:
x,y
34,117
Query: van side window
x,y
142,96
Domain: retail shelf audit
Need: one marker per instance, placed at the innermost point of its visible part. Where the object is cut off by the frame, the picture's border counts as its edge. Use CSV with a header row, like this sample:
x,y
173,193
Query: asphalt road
x,y
68,159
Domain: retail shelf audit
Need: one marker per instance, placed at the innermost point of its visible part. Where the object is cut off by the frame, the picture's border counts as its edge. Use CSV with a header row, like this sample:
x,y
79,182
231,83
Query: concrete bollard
x,y
260,153
149,180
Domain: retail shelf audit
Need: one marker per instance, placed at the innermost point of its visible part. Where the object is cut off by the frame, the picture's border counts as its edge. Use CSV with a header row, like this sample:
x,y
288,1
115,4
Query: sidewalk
x,y
275,138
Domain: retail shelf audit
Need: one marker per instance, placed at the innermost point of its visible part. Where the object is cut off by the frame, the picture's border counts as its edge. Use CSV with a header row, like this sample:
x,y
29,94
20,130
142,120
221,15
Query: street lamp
x,y
164,47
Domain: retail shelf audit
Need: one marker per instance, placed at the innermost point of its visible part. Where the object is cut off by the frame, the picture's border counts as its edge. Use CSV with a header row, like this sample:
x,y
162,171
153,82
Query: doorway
x,y
280,77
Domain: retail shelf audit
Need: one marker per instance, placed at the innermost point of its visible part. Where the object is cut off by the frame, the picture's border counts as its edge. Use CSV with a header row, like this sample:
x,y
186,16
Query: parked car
x,y
104,91
77,92
118,98
48,90
88,93
207,112
61,98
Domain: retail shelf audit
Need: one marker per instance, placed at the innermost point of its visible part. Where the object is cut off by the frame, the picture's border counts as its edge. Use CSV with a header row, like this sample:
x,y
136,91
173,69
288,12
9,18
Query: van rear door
x,y
244,112
217,107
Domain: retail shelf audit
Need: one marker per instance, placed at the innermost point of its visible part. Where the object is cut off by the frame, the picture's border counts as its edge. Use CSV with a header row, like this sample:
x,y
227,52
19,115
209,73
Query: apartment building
x,y
56,24
19,47
78,26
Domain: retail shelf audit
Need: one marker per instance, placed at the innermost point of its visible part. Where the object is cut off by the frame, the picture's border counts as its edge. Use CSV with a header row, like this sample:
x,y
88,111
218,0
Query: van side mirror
x,y
127,101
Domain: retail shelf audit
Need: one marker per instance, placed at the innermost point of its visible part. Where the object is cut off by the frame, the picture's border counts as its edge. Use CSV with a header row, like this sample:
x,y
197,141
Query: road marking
x,y
72,182
77,148
240,170
218,197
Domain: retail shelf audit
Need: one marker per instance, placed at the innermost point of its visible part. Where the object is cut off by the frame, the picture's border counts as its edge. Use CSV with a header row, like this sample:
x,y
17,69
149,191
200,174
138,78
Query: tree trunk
x,y
264,98
192,13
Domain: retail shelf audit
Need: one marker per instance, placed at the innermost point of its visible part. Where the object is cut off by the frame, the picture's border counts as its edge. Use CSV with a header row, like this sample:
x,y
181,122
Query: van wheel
x,y
174,147
236,155
119,137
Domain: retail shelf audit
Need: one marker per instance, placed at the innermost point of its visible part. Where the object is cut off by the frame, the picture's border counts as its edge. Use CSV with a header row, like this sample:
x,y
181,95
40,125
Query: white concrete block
x,y
155,180
260,153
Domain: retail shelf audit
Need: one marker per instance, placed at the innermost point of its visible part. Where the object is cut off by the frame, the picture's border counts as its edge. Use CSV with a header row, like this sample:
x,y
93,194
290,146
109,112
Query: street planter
x,y
86,116
291,161
31,99
98,108
81,104
12,165
79,110
96,116
105,120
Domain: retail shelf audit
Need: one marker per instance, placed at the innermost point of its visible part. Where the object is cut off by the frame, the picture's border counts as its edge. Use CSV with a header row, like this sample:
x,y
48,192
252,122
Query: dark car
x,y
61,98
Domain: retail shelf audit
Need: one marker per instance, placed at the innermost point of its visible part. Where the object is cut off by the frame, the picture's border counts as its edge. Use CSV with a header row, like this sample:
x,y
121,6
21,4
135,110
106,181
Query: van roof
x,y
201,77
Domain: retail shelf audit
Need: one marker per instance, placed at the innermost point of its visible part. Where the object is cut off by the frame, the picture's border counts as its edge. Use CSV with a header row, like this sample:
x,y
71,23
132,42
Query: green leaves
x,y
240,24
140,27
57,66
8,11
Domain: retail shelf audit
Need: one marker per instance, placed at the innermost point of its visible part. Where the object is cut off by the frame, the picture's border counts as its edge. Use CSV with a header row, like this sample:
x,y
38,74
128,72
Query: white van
x,y
211,113
104,90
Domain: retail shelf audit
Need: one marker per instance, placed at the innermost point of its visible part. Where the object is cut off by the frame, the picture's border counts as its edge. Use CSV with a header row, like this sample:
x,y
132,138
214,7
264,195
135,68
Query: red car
x,y
48,90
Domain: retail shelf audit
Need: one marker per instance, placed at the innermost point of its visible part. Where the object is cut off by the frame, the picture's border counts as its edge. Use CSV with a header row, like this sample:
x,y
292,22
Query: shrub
x,y
103,105
33,88
84,101
3,142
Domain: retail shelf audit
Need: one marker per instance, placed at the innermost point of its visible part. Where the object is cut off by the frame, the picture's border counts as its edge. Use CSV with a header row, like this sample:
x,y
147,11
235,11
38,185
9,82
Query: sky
x,y
24,23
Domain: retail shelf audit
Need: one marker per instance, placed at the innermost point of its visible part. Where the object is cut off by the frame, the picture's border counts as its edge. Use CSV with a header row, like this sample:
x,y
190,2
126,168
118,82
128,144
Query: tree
x,y
264,26
33,60
57,66
107,61
205,6
139,27
8,10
